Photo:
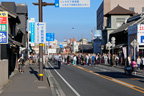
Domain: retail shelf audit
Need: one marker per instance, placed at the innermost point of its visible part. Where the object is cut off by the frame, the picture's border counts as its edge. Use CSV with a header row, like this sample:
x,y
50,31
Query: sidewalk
x,y
27,84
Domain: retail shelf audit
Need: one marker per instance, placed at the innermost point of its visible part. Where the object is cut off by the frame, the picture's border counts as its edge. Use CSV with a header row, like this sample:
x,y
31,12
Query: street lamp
x,y
73,39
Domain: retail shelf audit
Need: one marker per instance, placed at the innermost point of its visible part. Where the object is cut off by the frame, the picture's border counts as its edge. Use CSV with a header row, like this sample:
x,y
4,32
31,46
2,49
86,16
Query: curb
x,y
55,87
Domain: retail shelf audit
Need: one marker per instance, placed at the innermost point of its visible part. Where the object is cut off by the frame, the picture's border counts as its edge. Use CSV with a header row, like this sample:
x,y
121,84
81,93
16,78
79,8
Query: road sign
x,y
134,43
72,3
61,46
50,36
32,32
40,32
3,28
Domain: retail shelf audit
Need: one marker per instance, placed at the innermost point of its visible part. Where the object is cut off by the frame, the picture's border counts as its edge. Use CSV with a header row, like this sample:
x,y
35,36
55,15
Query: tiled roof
x,y
118,10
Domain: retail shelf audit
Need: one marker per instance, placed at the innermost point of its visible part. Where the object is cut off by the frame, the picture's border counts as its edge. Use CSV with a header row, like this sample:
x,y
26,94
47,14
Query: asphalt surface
x,y
96,81
27,84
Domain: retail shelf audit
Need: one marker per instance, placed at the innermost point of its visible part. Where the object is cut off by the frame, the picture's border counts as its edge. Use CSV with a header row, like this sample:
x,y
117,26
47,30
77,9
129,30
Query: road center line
x,y
134,87
66,82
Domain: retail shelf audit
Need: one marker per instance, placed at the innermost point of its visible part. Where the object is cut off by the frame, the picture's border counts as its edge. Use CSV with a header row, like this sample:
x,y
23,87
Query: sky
x,y
61,20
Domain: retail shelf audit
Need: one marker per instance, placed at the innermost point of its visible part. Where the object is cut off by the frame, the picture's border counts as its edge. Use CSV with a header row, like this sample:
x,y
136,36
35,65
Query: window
x,y
109,22
131,9
120,19
142,9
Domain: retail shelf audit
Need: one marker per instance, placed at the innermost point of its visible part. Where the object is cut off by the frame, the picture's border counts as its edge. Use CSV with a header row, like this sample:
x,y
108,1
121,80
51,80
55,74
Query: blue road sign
x,y
72,3
3,37
32,32
56,3
142,39
50,36
61,46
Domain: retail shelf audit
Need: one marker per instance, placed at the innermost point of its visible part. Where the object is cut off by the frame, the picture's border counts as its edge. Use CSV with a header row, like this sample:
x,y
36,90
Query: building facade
x,y
9,53
115,18
107,5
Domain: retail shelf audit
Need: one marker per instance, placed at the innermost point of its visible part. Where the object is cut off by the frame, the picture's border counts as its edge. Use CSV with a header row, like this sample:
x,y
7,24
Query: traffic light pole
x,y
41,4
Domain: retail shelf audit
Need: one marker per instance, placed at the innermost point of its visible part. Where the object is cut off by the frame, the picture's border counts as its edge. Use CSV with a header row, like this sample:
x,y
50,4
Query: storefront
x,y
136,32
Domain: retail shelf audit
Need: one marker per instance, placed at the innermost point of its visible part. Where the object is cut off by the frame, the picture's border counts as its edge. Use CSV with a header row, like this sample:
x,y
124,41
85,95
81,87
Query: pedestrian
x,y
31,58
105,59
20,63
68,59
96,60
138,62
93,59
129,59
117,60
74,60
59,62
134,66
87,59
143,64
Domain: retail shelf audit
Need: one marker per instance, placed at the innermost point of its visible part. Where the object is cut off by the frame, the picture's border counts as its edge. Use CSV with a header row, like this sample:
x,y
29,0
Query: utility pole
x,y
82,43
73,40
41,4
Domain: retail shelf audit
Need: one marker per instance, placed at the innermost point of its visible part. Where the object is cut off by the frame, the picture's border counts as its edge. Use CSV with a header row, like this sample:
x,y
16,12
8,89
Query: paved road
x,y
96,81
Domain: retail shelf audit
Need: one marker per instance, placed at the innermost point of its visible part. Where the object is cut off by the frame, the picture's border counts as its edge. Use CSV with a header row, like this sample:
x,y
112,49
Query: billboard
x,y
72,3
97,33
3,28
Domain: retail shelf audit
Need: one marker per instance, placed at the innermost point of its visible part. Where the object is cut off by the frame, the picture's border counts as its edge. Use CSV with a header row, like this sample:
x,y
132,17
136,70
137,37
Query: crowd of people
x,y
85,59
95,59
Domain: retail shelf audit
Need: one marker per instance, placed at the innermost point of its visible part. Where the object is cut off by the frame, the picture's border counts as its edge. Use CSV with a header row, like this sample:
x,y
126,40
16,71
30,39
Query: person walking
x,y
138,62
117,60
59,62
134,66
20,63
96,60
68,59
93,59
74,60
143,64
87,59
105,59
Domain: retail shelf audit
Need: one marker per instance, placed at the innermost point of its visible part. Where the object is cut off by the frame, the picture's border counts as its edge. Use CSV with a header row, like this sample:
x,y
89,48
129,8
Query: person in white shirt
x,y
74,60
138,62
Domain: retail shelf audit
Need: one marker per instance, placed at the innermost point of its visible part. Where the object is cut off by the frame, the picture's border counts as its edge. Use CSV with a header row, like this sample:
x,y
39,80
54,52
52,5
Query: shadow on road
x,y
34,72
119,75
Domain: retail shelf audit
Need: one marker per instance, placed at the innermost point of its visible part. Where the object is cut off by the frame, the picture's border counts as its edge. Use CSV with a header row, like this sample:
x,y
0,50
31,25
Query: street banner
x,y
3,27
125,52
32,32
40,32
72,3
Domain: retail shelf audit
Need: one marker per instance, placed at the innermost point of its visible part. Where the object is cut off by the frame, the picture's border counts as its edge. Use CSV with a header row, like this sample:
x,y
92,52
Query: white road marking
x,y
122,83
42,87
66,82
105,70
